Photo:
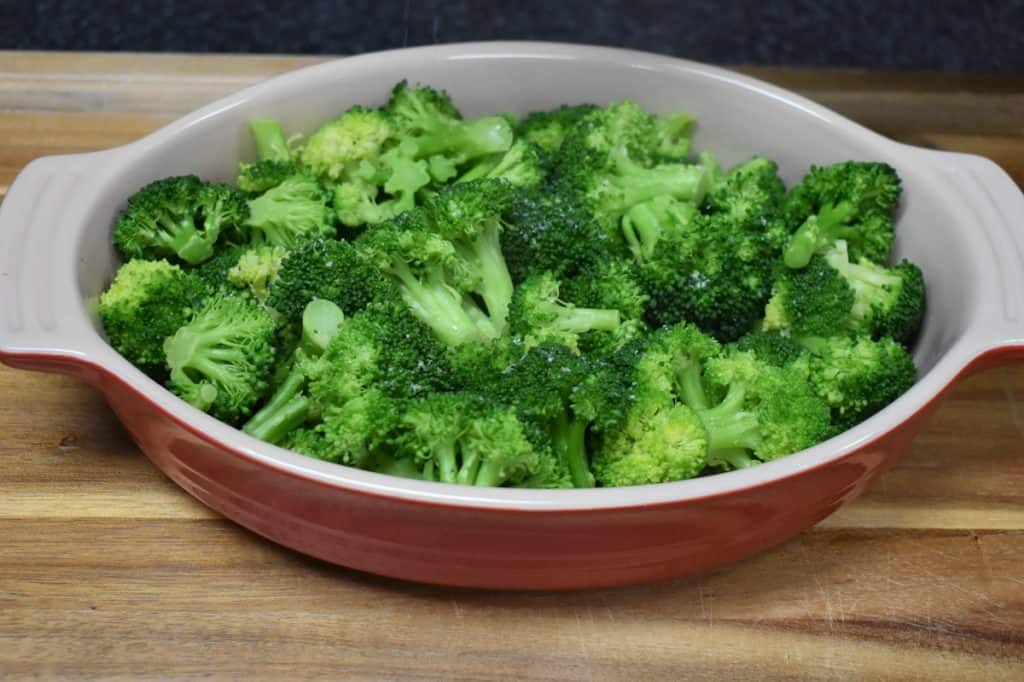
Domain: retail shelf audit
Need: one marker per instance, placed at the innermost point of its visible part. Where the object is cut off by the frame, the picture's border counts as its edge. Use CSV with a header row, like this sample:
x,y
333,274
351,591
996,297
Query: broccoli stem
x,y
447,466
183,238
285,411
642,231
689,384
468,139
816,232
567,437
271,144
490,474
587,319
737,458
495,281
470,467
438,305
729,426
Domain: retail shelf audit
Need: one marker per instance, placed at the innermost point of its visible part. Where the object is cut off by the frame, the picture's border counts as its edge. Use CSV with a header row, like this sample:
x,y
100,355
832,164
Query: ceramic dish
x,y
960,221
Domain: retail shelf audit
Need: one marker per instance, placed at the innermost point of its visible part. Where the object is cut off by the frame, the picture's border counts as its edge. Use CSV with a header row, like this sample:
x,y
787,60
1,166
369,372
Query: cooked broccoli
x,y
550,231
328,269
851,201
146,303
537,315
565,300
257,269
275,160
857,376
178,217
220,360
296,210
446,253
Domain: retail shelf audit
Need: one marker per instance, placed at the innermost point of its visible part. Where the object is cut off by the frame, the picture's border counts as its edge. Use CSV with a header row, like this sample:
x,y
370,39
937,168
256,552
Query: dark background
x,y
981,36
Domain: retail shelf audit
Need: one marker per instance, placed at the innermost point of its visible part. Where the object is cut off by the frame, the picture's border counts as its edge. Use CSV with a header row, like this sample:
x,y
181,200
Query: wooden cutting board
x,y
109,570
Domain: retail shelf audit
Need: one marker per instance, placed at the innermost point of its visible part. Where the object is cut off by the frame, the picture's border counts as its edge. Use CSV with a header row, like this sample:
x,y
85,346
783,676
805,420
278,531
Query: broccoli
x,y
547,129
329,269
220,360
886,301
296,210
857,376
851,201
213,272
673,133
550,231
257,269
146,303
275,161
656,447
537,314
429,126
748,194
178,217
350,147
816,301
462,439
646,223
608,159
609,284
520,166
446,253
772,348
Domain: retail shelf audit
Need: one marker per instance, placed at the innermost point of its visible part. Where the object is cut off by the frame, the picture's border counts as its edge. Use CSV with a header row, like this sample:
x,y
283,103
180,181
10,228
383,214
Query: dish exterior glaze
x,y
960,221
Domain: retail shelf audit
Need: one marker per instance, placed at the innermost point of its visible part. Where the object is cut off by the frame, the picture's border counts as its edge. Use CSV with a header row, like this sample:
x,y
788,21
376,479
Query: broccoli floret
x,y
430,126
647,223
815,301
257,269
289,406
547,129
550,231
461,439
296,210
851,201
674,134
610,284
146,303
772,348
750,193
609,157
327,269
520,166
350,147
446,253
538,314
275,162
718,276
886,301
214,271
178,217
857,376
653,447
758,411
220,360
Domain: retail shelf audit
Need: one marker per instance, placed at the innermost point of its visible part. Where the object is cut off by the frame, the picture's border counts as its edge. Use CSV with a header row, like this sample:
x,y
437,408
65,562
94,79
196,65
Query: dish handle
x,y
43,324
997,205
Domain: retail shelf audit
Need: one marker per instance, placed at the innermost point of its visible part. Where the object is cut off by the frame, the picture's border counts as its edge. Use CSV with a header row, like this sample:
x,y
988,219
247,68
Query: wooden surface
x,y
108,570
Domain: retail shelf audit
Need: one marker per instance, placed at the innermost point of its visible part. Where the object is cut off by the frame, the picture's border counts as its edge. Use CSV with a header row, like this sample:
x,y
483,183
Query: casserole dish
x,y
957,222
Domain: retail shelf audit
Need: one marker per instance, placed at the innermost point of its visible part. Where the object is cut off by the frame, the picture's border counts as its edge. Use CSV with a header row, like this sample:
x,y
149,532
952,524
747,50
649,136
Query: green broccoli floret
x,y
296,210
446,253
718,276
430,126
146,303
674,133
350,147
647,223
275,161
664,445
750,193
609,157
547,129
329,269
288,407
462,439
857,376
520,166
214,271
220,360
610,284
537,315
851,201
759,411
814,301
178,217
772,348
886,301
550,231
257,268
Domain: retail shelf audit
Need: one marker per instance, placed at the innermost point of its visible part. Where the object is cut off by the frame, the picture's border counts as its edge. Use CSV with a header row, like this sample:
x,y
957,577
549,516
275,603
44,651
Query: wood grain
x,y
109,570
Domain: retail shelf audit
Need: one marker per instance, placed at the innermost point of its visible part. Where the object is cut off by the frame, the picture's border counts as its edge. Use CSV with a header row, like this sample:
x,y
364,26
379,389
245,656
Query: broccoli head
x,y
296,210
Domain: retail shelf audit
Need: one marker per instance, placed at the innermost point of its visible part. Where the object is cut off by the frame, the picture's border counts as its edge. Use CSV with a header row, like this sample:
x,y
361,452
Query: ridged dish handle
x,y
43,324
997,204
